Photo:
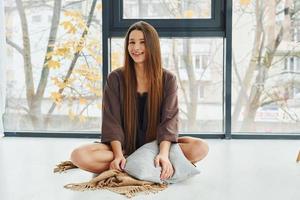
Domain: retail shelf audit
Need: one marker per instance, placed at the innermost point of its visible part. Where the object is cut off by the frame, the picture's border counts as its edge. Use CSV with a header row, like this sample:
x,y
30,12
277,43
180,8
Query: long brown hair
x,y
154,73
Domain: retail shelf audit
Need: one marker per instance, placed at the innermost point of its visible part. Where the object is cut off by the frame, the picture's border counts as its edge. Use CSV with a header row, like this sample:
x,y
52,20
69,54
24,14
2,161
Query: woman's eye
x,y
131,42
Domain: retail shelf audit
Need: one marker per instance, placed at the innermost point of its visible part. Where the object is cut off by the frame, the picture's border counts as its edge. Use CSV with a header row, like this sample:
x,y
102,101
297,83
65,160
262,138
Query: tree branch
x,y
26,54
76,55
51,41
15,46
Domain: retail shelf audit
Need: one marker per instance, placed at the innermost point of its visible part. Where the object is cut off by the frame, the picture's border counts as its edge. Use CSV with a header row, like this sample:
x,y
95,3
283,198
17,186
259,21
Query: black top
x,y
142,124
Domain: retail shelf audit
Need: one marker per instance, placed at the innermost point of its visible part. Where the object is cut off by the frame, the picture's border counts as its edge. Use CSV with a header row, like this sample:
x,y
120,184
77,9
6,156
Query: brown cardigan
x,y
112,116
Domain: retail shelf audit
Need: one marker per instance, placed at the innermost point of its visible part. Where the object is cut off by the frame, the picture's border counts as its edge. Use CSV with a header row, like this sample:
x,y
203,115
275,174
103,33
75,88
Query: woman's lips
x,y
137,54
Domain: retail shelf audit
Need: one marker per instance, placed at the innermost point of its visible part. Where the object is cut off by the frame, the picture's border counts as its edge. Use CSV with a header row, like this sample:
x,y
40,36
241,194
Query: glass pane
x,y
197,64
166,9
266,66
53,77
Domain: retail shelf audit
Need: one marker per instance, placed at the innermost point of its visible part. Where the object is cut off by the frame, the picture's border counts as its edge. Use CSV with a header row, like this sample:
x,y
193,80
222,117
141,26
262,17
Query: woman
x,y
140,86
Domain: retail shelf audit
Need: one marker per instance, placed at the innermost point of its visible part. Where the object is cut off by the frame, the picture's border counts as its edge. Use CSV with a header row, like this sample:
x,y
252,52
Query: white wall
x,y
2,66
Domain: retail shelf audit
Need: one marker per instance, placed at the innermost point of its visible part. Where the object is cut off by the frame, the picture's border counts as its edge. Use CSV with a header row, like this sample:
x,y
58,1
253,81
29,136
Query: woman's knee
x,y
198,150
201,148
78,155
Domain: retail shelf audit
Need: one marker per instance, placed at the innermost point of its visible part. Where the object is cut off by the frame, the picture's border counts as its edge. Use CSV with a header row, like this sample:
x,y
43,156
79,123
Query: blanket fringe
x,y
63,166
131,191
118,182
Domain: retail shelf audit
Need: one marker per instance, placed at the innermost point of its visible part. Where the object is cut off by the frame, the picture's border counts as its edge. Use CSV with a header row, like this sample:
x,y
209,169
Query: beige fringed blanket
x,y
113,180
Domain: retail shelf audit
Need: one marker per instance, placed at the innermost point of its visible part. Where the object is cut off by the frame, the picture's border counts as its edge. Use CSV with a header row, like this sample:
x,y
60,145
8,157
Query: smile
x,y
137,54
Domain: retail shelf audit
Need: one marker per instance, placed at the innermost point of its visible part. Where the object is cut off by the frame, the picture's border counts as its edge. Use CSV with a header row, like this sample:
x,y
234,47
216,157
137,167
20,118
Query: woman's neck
x,y
140,72
142,80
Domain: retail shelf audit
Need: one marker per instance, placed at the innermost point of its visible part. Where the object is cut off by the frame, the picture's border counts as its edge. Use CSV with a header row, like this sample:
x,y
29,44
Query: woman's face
x,y
136,46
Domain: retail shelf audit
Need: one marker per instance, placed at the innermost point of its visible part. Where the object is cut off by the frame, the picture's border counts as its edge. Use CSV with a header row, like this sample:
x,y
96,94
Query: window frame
x,y
212,27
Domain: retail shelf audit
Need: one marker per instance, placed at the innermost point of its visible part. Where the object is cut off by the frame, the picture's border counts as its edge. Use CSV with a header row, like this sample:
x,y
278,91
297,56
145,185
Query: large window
x,y
266,66
61,51
54,65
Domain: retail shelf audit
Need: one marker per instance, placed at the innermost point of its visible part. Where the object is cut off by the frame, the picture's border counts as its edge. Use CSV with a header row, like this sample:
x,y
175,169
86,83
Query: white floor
x,y
233,170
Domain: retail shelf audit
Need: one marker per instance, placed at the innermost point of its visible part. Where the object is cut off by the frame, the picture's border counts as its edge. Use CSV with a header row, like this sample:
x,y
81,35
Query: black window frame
x,y
213,27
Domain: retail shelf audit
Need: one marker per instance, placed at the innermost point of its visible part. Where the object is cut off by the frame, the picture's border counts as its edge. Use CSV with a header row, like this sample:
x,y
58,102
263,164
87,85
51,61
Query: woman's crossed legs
x,y
96,157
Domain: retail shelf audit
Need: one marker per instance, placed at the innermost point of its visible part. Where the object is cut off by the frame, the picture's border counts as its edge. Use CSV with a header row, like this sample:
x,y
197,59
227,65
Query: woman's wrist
x,y
163,154
164,148
118,156
116,149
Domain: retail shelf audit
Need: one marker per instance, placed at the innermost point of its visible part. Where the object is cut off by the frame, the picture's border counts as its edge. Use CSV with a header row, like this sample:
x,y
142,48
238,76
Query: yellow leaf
x,y
78,48
82,25
70,81
56,97
82,71
98,59
92,74
82,101
53,64
80,45
189,14
93,77
94,90
62,51
99,6
73,13
82,118
69,44
69,27
61,84
84,66
66,24
72,30
55,80
245,2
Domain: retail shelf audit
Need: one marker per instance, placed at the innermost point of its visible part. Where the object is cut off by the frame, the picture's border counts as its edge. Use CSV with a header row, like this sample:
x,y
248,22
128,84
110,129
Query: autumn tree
x,y
73,56
269,34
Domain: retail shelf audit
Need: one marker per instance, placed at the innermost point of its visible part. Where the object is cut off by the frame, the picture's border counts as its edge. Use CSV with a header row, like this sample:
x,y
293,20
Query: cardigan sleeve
x,y
168,127
111,111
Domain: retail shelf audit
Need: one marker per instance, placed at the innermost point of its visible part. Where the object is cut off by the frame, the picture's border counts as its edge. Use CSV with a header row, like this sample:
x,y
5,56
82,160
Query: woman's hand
x,y
166,166
118,163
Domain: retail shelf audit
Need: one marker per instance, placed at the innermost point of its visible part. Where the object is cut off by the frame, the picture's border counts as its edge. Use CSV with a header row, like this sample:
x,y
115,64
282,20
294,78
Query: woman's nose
x,y
136,47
